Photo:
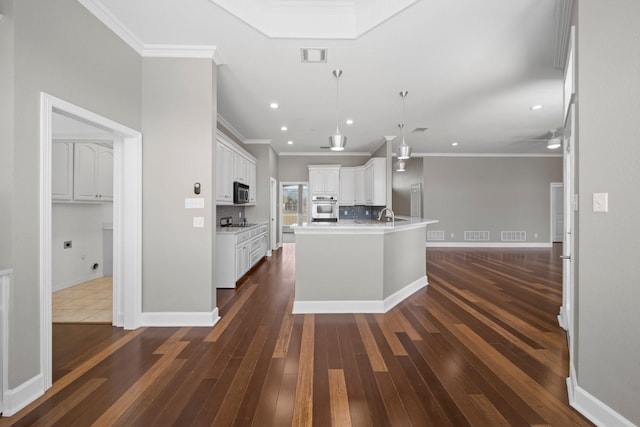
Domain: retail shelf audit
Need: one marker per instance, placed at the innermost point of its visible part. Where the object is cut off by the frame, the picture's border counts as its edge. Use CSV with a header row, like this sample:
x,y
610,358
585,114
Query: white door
x,y
570,209
557,212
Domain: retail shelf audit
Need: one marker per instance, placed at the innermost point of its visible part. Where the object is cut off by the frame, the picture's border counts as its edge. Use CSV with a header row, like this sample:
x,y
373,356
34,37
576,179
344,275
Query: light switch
x,y
194,203
601,202
198,222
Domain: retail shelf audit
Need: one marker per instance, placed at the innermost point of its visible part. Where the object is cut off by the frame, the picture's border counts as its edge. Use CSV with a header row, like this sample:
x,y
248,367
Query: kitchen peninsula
x,y
359,266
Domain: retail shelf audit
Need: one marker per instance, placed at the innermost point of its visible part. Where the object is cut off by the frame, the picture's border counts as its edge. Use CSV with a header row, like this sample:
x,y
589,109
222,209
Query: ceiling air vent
x,y
416,130
313,54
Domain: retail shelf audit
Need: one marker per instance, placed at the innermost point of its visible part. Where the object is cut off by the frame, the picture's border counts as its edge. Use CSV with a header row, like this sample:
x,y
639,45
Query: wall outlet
x,y
198,222
346,212
239,214
67,244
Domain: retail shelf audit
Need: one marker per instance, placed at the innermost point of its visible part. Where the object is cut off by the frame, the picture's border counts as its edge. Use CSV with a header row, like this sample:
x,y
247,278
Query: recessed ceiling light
x,y
349,121
283,128
536,107
290,142
455,144
273,105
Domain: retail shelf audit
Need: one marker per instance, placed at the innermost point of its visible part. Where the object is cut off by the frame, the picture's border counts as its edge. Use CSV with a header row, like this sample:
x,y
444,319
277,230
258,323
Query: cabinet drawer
x,y
243,237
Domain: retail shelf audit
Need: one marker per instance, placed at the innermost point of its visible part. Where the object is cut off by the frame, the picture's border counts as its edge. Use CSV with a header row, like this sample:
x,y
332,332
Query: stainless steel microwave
x,y
240,193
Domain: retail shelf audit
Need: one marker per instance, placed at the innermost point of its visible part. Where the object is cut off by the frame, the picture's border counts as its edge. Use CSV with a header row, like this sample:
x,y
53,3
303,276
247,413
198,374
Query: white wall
x,y
490,194
608,291
178,150
82,224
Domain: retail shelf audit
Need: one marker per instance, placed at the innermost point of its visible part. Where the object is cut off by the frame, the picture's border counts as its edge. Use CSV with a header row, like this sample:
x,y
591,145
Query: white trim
x,y
591,407
435,244
228,126
114,24
404,293
94,276
359,306
327,153
562,319
182,51
24,394
5,284
258,141
127,220
185,319
486,155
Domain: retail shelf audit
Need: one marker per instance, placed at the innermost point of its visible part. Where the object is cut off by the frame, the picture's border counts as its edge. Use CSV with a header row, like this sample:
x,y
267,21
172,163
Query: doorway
x,y
295,208
127,222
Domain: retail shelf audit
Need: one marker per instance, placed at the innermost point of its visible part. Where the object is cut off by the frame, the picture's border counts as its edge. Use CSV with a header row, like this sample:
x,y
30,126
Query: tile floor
x,y
88,302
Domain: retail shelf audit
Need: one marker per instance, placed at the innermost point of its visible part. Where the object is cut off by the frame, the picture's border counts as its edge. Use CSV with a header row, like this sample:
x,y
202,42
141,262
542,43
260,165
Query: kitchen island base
x,y
358,269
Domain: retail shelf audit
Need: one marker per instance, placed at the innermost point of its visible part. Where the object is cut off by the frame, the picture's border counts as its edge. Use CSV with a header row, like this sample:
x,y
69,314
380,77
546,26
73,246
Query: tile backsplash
x,y
360,212
235,212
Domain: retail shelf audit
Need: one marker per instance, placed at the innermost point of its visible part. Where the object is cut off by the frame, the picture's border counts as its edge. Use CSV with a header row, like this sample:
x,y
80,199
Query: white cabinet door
x,y
242,259
104,177
240,165
359,187
379,181
92,172
224,185
62,171
251,169
316,181
324,180
368,184
332,181
347,186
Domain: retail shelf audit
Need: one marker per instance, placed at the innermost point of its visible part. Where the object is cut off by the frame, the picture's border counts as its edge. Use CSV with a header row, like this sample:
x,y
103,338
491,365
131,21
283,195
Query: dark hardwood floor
x,y
480,346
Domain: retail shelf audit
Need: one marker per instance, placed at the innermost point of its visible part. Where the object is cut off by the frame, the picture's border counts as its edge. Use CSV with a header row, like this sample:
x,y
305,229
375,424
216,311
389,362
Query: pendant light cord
x,y
337,74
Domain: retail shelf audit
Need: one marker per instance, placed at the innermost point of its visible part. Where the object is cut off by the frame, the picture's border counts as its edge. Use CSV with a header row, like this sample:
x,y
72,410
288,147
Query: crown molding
x,y
258,141
228,126
486,155
113,23
315,153
182,51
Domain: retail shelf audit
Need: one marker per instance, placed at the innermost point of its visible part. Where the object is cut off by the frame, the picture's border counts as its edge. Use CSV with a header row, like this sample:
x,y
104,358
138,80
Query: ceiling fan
x,y
552,138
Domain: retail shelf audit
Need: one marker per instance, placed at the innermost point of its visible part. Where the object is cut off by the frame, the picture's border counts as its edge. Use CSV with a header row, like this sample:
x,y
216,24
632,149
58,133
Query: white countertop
x,y
238,229
364,225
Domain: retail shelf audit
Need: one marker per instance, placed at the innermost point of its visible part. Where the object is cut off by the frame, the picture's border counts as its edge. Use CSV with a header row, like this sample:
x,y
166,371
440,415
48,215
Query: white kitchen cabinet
x,y
358,183
368,184
237,252
62,171
251,172
378,183
347,187
224,182
324,180
92,172
233,164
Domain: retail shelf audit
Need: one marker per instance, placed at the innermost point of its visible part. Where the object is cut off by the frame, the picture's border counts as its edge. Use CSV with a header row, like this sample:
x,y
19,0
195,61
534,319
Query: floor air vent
x,y
435,235
476,236
513,236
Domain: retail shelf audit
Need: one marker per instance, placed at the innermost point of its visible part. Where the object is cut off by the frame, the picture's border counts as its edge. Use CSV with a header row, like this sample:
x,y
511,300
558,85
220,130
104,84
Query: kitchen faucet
x,y
393,217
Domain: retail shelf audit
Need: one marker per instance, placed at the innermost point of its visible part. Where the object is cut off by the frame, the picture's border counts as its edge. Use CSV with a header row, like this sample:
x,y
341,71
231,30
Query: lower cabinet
x,y
237,253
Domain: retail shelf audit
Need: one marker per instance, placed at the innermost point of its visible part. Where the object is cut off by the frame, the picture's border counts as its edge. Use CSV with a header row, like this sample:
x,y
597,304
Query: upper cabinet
x,y
82,171
364,185
324,180
233,164
347,186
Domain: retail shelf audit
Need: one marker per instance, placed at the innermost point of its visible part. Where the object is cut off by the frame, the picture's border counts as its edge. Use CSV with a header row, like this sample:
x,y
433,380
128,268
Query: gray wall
x,y
178,124
490,194
401,184
609,244
294,168
266,168
59,48
6,133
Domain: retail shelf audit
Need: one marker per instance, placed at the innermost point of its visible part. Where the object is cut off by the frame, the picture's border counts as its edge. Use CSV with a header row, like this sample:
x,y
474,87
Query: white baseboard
x,y
181,319
19,397
359,306
592,408
59,287
404,293
562,319
487,245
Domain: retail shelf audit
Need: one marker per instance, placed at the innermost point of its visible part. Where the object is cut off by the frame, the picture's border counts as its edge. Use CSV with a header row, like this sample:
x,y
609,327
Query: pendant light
x,y
400,166
337,141
404,150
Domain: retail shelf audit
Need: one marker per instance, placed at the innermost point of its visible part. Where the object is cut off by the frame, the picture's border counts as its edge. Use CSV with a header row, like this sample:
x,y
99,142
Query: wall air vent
x,y
513,236
419,130
476,236
313,54
435,235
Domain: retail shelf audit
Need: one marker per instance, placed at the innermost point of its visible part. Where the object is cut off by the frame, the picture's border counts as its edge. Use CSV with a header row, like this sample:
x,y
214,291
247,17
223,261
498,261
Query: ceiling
x,y
472,68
